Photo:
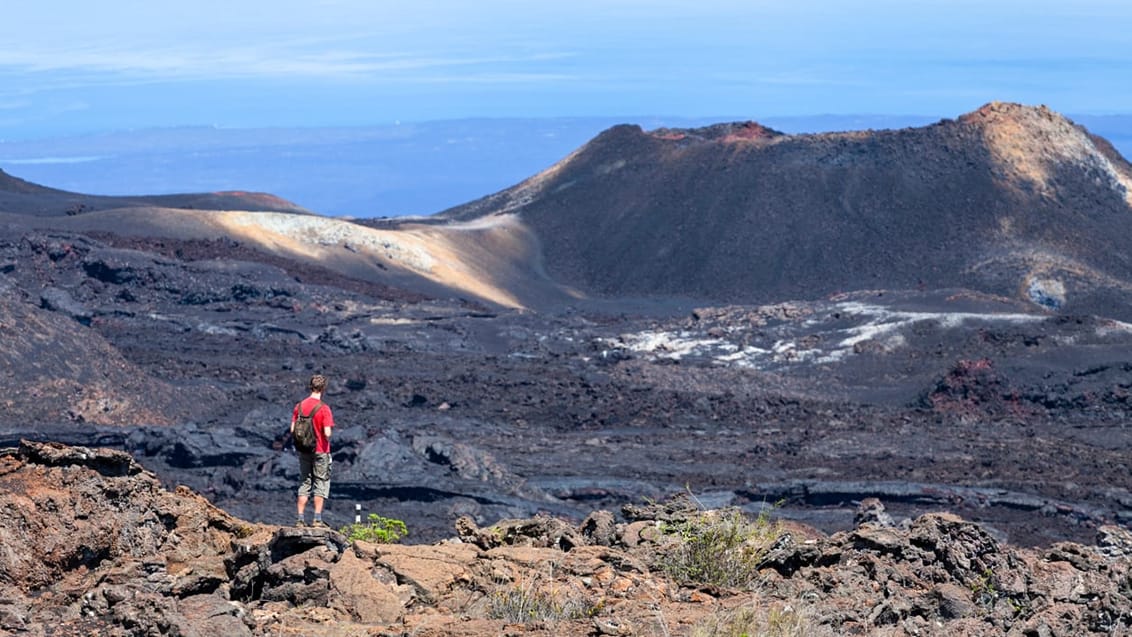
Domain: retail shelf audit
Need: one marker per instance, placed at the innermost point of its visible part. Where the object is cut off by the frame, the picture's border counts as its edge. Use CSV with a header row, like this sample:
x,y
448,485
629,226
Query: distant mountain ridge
x,y
381,170
1009,199
23,197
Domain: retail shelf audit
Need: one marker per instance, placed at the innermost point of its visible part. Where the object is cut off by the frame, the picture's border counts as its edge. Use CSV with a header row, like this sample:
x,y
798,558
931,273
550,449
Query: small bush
x,y
720,548
522,605
378,530
529,604
750,621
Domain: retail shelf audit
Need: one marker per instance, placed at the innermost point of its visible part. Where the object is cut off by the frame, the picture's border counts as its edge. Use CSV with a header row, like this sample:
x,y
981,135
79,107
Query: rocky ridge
x,y
94,544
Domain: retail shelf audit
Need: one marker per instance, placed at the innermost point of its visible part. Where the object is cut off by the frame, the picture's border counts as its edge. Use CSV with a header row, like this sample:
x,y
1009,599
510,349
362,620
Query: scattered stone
x,y
954,601
871,511
599,528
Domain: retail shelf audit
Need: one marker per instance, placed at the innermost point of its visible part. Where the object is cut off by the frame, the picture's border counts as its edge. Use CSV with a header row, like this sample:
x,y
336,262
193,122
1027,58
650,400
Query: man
x,y
314,467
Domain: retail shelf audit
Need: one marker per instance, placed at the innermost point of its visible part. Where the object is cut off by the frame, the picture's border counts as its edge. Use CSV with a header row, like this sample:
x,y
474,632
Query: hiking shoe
x,y
319,524
300,522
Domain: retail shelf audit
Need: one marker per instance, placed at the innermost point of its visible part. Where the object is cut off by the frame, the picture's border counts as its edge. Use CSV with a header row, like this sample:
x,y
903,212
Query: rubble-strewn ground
x,y
994,409
94,545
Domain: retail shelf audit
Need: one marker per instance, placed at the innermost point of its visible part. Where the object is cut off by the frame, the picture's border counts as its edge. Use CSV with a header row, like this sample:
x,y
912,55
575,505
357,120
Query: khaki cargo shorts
x,y
314,474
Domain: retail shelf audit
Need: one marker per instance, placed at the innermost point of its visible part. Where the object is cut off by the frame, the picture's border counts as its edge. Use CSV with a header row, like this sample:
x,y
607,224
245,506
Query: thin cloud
x,y
800,78
14,105
267,61
492,78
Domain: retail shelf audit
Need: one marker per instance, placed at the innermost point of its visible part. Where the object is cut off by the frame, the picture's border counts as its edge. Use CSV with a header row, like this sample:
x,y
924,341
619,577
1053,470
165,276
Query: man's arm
x,y
327,421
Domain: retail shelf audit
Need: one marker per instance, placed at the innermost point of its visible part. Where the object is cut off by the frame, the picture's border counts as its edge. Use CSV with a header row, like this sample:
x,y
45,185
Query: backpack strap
x,y
317,406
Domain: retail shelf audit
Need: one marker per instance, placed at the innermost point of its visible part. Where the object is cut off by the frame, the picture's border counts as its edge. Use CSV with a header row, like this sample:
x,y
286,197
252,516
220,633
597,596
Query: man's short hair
x,y
318,383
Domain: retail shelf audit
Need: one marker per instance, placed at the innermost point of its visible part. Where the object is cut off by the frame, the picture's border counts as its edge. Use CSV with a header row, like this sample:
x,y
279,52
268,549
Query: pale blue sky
x,y
69,66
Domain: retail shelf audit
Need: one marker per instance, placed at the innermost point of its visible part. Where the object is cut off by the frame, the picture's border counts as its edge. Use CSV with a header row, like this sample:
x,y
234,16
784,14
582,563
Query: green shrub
x,y
378,530
720,548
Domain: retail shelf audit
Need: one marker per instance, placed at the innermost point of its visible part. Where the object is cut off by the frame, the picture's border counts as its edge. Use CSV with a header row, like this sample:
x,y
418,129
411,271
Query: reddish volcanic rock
x,y
94,545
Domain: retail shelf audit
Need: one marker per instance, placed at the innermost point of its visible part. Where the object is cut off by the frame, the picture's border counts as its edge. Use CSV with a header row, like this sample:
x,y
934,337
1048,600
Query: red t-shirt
x,y
324,418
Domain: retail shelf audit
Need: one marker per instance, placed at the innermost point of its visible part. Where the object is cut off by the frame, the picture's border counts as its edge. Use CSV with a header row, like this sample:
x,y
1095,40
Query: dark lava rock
x,y
798,323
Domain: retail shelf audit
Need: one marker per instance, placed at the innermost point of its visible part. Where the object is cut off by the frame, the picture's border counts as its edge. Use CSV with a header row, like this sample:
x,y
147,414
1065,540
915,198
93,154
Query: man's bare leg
x,y
301,505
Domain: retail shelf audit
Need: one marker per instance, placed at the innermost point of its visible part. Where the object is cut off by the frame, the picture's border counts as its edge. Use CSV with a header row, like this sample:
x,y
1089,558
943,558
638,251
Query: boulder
x,y
356,592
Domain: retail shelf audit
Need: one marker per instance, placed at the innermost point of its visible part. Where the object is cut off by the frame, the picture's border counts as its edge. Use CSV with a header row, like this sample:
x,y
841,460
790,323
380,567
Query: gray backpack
x,y
303,433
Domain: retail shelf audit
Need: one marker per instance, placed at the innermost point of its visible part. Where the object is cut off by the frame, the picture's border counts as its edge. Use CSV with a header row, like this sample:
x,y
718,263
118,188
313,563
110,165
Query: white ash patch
x,y
885,326
828,335
1111,327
